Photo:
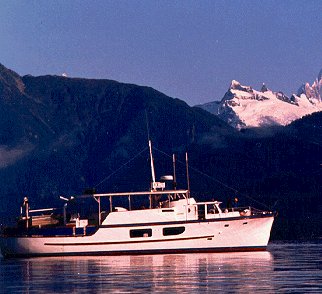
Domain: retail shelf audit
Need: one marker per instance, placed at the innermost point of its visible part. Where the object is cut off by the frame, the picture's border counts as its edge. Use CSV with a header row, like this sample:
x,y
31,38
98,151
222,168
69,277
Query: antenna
x,y
174,172
152,165
63,198
187,171
147,124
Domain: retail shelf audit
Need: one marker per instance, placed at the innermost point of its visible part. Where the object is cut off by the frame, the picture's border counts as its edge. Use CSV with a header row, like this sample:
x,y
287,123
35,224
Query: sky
x,y
189,50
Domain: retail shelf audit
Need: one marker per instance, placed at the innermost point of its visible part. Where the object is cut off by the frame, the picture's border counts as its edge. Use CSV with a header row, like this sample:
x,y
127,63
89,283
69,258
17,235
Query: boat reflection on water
x,y
183,272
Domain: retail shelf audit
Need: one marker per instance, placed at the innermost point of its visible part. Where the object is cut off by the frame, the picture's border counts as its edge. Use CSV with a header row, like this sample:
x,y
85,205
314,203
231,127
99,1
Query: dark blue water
x,y
284,268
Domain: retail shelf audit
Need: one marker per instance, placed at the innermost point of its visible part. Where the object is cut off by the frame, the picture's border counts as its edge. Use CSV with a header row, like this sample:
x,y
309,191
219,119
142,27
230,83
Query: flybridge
x,y
171,195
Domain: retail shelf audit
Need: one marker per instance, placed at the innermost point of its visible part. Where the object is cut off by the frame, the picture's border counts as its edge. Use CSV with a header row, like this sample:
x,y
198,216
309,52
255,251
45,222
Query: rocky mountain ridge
x,y
244,107
312,92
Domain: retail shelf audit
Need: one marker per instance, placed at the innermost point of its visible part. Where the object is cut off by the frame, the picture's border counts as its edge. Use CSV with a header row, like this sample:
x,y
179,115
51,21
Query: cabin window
x,y
226,226
173,231
141,233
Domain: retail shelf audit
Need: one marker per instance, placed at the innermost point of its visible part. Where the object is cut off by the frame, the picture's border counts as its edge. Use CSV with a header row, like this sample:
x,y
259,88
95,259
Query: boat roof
x,y
158,192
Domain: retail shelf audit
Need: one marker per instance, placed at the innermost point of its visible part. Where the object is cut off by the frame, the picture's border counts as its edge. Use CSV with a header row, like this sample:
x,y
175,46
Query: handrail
x,y
42,209
146,193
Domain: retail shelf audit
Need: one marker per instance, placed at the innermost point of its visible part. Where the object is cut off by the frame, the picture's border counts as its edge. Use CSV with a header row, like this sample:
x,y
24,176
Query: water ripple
x,y
284,268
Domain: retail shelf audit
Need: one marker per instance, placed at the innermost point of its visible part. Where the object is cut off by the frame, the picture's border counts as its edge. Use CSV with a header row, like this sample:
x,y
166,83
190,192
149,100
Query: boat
x,y
174,222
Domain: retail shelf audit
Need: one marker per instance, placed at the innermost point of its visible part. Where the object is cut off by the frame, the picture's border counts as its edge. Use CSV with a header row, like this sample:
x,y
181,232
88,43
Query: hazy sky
x,y
186,49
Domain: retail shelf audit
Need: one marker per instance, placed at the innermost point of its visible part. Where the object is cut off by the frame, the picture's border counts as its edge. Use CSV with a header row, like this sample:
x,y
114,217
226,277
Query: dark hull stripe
x,y
127,242
147,252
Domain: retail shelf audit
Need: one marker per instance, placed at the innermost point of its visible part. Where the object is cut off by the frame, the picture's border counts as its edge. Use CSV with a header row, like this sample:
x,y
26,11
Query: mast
x,y
187,171
152,165
174,172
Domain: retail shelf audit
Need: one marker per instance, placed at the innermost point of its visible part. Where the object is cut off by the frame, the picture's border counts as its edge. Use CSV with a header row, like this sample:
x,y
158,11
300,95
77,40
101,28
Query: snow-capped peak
x,y
314,92
243,106
235,85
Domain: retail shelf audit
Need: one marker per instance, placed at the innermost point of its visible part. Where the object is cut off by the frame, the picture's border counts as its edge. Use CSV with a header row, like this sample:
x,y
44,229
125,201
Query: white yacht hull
x,y
210,235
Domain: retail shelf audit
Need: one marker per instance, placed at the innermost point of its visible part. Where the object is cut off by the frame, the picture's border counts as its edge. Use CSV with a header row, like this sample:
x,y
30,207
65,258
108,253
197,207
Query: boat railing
x,y
209,208
256,211
249,209
39,217
42,210
35,213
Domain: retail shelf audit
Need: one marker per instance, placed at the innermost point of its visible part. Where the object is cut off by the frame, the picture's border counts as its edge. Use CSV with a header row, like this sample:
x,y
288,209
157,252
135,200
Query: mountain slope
x,y
60,135
277,166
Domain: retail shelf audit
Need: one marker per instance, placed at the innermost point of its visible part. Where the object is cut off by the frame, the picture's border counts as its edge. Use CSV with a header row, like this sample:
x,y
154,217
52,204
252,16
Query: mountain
x,y
60,135
244,107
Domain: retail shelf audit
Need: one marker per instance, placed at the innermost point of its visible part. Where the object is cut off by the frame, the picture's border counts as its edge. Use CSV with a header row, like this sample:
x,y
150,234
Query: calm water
x,y
285,268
